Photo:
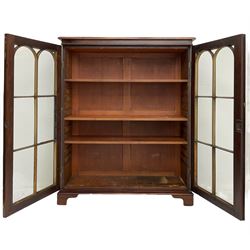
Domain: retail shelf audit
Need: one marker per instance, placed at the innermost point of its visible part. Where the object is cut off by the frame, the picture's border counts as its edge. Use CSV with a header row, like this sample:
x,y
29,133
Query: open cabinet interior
x,y
125,118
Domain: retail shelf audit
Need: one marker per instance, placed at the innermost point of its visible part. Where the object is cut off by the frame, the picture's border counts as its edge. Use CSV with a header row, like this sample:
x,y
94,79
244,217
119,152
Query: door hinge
x,y
238,126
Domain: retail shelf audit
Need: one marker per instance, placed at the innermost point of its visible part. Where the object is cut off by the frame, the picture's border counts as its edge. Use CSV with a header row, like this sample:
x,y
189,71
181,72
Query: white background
x,y
123,221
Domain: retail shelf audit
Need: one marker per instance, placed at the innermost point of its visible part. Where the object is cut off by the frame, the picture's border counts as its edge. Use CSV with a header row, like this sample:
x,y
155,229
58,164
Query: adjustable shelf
x,y
125,173
125,118
125,140
82,80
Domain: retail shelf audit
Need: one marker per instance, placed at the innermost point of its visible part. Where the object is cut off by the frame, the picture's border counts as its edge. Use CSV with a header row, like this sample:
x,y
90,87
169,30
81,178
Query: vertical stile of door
x,y
35,120
189,114
55,119
196,117
213,123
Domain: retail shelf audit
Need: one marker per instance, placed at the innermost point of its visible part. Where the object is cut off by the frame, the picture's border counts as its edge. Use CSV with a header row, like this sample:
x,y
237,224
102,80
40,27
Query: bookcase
x,y
126,120
120,115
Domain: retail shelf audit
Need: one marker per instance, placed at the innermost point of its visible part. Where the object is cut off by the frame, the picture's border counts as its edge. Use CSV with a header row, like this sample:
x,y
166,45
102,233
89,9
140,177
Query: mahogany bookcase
x,y
124,115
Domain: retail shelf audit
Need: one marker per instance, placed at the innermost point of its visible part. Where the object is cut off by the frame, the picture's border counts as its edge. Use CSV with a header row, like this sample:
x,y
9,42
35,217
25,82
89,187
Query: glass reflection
x,y
24,72
205,72
46,73
225,72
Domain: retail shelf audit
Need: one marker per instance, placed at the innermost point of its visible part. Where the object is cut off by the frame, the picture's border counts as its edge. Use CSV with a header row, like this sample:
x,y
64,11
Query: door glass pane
x,y
45,165
205,120
205,67
24,65
45,118
224,175
28,120
23,173
23,122
204,166
225,72
224,123
46,73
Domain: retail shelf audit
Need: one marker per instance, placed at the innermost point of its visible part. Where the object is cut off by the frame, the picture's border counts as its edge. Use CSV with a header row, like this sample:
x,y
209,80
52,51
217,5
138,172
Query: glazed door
x,y
31,122
219,123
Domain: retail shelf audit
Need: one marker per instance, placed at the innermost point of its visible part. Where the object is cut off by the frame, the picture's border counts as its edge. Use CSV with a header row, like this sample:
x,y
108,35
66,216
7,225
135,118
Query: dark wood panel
x,y
67,162
155,158
168,67
156,97
97,157
127,128
184,100
185,165
110,97
97,96
96,67
97,128
67,125
154,128
110,158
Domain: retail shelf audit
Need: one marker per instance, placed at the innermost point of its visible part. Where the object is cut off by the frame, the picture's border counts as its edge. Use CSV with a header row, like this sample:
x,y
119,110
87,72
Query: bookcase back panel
x,y
96,157
97,96
94,128
156,97
119,128
153,128
92,159
161,66
132,98
97,66
155,158
132,65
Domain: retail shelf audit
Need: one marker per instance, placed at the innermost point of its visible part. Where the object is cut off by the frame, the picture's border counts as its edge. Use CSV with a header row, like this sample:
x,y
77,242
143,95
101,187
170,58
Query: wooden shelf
x,y
123,80
124,140
124,173
125,118
167,182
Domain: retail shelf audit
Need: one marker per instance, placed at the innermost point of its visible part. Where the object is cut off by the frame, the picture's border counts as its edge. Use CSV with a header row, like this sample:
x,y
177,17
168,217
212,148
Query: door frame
x,y
238,43
10,42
